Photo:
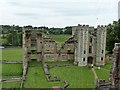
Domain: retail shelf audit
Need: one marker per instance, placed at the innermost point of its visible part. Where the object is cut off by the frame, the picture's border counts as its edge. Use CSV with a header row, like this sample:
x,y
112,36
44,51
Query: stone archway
x,y
90,60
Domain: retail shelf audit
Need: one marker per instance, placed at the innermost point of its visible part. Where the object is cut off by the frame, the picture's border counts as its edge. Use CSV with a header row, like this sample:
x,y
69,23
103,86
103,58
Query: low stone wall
x,y
10,80
10,62
25,69
55,78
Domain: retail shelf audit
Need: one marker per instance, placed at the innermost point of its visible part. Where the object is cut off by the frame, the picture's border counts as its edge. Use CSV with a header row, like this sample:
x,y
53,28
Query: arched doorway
x,y
90,60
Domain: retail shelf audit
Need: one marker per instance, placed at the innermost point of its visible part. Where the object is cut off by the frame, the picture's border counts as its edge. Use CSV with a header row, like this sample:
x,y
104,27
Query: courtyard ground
x,y
77,77
36,78
104,71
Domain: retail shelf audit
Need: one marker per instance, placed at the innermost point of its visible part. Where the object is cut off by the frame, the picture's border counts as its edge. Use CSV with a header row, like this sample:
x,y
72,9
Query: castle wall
x,y
101,44
50,50
82,45
38,47
66,52
74,28
90,46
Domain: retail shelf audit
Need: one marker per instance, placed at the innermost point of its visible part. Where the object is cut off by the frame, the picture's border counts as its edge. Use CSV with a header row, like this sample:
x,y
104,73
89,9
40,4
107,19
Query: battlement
x,y
89,28
84,26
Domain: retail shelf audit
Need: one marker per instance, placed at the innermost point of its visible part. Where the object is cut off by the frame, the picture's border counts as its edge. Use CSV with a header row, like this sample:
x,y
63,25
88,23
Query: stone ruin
x,y
86,46
90,46
114,82
115,69
37,46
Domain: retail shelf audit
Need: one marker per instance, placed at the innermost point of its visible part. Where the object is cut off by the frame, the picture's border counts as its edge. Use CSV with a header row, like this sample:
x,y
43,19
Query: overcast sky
x,y
58,13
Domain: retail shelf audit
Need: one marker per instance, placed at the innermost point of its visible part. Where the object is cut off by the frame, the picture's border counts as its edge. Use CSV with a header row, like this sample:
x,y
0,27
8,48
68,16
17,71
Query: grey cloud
x,y
18,4
66,8
26,14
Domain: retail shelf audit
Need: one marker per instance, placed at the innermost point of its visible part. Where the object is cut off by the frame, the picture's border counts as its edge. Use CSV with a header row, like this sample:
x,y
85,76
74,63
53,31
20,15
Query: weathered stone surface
x,y
11,80
10,62
90,45
114,82
115,69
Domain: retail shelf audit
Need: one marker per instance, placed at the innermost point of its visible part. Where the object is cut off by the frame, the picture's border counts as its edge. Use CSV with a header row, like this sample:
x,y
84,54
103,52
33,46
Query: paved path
x,y
94,72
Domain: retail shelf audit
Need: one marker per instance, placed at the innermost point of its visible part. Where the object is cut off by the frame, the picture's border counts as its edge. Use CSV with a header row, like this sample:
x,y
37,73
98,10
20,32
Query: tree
x,y
68,30
113,34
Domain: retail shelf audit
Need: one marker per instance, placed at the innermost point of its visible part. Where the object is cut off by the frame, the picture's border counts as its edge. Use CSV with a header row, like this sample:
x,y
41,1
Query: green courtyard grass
x,y
59,62
60,39
14,54
77,77
10,85
11,69
104,72
36,78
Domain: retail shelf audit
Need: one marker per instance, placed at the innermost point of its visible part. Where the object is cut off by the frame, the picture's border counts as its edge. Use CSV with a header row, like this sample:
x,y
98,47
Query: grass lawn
x,y
59,62
12,54
104,72
77,77
60,39
11,69
36,78
10,85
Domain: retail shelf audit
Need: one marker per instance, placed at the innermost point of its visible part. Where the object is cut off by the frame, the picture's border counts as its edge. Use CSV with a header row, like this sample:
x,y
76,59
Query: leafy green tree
x,y
4,42
113,34
68,30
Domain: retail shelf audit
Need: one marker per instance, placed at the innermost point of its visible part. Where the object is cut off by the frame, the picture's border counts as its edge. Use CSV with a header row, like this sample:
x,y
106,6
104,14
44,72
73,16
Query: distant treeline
x,y
12,35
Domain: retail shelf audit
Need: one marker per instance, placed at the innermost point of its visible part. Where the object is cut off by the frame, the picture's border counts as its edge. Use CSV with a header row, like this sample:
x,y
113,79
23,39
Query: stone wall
x,y
114,81
38,47
115,69
67,50
90,46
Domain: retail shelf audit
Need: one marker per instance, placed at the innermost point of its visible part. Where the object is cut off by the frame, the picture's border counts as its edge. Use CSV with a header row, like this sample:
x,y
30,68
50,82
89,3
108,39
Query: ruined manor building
x,y
86,46
90,46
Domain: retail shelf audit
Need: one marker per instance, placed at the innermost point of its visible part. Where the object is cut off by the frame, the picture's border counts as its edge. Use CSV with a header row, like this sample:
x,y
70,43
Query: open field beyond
x,y
60,39
14,54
